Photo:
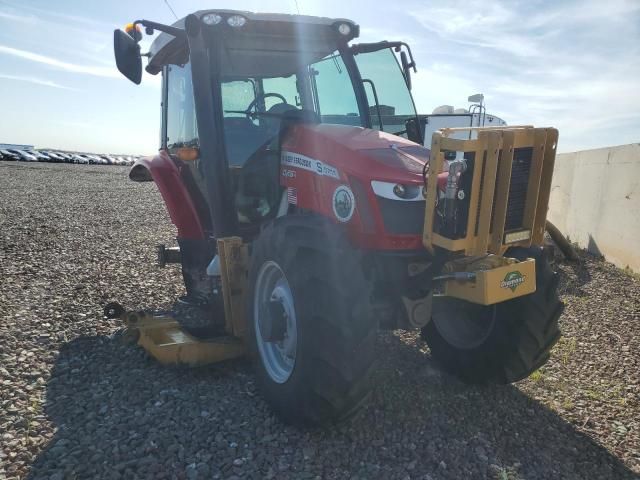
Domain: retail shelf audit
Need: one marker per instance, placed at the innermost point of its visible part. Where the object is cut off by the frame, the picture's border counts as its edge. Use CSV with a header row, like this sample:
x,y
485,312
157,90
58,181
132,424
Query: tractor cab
x,y
256,75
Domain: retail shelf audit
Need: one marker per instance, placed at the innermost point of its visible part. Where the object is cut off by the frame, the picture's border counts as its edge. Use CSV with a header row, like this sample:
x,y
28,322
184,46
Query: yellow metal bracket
x,y
234,260
166,341
494,279
493,154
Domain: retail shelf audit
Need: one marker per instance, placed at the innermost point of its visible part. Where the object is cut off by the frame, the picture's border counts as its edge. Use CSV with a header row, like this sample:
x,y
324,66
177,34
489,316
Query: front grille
x,y
402,218
518,188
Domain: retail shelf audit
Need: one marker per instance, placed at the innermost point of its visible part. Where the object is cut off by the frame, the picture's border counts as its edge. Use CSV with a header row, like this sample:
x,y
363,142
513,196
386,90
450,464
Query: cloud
x,y
34,80
40,14
571,64
77,124
59,64
14,17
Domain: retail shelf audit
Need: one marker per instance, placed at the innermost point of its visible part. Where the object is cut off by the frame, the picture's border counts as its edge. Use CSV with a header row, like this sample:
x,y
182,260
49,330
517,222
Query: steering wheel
x,y
260,98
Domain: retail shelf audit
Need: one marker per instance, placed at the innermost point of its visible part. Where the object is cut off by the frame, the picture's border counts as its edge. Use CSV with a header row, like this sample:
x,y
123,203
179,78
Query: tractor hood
x,y
360,152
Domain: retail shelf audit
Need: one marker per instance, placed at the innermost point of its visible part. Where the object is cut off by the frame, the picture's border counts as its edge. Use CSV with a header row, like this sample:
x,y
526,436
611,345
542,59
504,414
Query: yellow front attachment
x,y
496,154
494,285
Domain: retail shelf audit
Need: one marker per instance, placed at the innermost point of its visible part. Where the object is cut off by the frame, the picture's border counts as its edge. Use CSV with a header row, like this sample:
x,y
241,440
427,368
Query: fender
x,y
166,174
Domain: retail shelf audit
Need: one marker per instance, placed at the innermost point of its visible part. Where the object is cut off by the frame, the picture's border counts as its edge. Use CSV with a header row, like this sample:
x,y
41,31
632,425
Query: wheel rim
x,y
278,355
463,325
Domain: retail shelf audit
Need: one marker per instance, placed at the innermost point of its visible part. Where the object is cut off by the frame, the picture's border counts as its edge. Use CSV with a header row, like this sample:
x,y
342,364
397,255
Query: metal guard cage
x,y
491,226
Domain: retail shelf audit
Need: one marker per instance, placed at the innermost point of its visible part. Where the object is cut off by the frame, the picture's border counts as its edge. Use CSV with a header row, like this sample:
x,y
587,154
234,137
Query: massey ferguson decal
x,y
297,160
512,280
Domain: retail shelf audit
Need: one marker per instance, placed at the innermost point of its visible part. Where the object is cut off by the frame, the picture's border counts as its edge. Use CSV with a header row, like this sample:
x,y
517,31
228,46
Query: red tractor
x,y
309,215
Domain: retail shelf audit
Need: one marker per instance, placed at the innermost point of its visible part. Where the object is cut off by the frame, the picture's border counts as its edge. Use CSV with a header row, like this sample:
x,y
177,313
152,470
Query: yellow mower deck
x,y
163,337
166,341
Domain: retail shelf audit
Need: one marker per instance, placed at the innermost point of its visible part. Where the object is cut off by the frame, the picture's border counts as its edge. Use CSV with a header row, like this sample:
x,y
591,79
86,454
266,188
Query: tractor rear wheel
x,y
501,343
310,330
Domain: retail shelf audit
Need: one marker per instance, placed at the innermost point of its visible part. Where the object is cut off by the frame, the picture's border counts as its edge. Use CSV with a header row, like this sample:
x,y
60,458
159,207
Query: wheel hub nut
x,y
274,329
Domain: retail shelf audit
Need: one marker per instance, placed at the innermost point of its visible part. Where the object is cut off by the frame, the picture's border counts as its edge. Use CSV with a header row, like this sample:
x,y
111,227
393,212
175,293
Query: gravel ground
x,y
76,403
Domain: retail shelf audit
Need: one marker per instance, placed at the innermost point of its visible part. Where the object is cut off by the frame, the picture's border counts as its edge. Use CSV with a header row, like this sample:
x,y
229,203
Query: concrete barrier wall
x,y
595,201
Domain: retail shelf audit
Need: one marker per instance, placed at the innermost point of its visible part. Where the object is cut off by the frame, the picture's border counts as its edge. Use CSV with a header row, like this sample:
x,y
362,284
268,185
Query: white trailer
x,y
446,116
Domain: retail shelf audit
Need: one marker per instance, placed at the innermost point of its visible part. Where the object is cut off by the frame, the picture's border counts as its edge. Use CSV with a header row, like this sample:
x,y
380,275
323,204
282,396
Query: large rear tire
x,y
314,366
502,343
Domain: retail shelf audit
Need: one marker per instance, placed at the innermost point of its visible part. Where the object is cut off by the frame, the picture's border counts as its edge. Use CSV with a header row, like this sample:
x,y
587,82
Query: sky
x,y
574,65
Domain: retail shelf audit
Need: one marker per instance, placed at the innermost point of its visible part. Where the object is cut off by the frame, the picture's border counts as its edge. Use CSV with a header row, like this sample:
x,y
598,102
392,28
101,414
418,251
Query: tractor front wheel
x,y
501,343
310,331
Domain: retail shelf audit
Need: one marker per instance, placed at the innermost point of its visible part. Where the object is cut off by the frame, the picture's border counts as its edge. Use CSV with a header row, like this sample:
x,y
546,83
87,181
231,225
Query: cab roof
x,y
272,37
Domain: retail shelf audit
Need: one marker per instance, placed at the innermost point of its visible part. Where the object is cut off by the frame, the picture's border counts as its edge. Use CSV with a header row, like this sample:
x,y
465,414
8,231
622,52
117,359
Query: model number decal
x,y
292,159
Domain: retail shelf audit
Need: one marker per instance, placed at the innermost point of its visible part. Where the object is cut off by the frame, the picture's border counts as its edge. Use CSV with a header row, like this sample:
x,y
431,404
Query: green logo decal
x,y
512,280
343,203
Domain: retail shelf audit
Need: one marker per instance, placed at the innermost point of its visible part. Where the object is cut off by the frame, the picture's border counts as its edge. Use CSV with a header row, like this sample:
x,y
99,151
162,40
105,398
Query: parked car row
x,y
66,157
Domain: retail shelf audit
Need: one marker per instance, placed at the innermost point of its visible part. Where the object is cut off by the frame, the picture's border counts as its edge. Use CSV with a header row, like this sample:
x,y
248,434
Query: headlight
x,y
344,29
400,190
211,19
397,191
236,21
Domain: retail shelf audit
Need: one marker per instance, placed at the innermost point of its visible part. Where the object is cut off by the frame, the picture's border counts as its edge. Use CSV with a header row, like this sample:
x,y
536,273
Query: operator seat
x,y
272,123
295,117
242,138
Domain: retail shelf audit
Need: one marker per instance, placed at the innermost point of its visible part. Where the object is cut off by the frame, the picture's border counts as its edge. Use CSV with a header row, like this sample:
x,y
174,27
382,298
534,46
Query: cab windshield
x,y
253,106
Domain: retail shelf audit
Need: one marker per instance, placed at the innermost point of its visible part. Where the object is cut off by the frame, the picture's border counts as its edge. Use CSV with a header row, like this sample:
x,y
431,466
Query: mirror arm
x,y
176,32
412,64
374,47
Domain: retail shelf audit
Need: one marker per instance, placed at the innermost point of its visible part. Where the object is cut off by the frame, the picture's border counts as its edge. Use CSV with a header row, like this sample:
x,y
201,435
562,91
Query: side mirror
x,y
127,53
406,68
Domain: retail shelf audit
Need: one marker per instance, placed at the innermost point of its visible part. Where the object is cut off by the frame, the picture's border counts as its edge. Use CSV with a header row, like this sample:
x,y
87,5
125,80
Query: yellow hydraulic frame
x,y
493,150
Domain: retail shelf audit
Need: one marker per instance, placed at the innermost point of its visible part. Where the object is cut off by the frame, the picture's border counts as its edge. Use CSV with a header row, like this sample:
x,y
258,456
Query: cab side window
x,y
390,103
333,92
181,116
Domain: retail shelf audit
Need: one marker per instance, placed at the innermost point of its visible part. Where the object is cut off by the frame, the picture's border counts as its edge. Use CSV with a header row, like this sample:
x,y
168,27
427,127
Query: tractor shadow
x,y
118,414
575,275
